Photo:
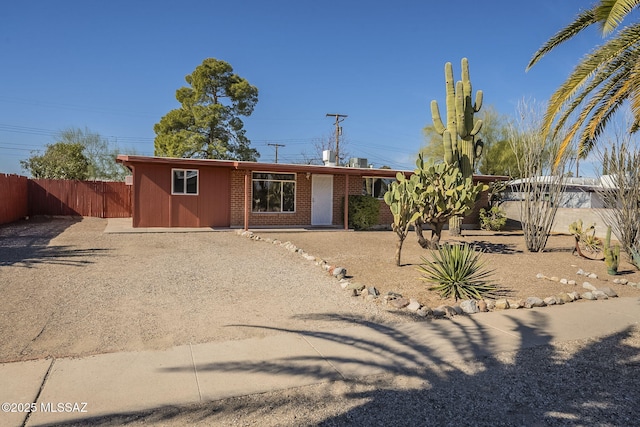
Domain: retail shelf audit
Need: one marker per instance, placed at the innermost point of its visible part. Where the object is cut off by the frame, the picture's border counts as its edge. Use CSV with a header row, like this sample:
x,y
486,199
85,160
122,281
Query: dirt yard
x,y
68,289
369,259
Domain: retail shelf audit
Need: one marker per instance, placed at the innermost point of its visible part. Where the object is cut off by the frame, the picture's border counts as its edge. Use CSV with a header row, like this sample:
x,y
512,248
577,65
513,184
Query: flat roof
x,y
279,167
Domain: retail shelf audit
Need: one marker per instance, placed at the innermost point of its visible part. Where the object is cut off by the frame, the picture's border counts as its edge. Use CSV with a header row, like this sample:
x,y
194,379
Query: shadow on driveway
x,y
26,243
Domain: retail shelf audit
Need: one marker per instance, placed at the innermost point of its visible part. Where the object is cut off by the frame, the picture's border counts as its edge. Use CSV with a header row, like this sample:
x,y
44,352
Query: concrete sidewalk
x,y
118,383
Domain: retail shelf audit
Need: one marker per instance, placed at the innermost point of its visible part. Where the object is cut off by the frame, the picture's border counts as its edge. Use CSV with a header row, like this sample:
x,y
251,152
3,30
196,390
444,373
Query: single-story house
x,y
176,192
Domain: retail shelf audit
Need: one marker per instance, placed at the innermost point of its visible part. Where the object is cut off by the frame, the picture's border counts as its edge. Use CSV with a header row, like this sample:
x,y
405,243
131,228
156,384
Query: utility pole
x,y
339,118
276,145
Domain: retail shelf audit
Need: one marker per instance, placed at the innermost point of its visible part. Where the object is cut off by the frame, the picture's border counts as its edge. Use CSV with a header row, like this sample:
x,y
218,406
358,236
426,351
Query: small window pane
x,y
178,181
288,196
192,182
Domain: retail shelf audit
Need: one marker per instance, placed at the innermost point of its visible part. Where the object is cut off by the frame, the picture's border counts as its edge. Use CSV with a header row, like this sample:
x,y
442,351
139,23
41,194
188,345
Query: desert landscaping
x,y
71,290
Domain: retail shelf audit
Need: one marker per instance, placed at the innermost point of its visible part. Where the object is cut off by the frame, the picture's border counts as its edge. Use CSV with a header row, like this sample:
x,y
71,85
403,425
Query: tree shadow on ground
x,y
456,374
27,243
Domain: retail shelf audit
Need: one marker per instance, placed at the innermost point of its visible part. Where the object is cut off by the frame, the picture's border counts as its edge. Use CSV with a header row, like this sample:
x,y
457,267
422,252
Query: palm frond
x,y
611,13
582,21
597,65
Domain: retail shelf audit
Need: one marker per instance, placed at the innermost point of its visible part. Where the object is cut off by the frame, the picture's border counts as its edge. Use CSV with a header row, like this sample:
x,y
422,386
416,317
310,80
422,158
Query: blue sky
x,y
113,67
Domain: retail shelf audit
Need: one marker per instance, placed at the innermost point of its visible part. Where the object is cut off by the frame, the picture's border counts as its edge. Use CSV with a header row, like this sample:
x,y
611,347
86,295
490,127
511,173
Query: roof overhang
x,y
129,160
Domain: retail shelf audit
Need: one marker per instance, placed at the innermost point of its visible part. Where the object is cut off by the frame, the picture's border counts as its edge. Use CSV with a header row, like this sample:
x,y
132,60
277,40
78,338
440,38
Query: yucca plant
x,y
458,272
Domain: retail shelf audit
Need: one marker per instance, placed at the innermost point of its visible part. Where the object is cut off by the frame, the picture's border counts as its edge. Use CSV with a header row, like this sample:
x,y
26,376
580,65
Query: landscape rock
x,y
540,276
372,290
502,304
491,304
399,302
589,286
482,306
608,292
444,310
551,300
355,286
592,276
424,312
587,295
339,271
519,303
581,272
563,298
554,279
599,294
571,282
413,305
469,306
564,281
573,295
533,302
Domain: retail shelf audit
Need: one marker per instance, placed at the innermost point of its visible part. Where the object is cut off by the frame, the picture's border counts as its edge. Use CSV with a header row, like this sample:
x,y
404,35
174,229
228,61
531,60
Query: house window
x,y
274,192
376,187
184,181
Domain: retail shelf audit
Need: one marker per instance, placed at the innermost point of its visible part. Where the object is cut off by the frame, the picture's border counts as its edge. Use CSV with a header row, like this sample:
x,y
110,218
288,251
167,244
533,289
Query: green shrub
x,y
494,219
457,272
364,212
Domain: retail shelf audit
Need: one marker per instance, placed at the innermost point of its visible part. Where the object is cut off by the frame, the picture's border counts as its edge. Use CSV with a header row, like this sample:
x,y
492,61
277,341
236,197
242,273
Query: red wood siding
x,y
155,206
14,198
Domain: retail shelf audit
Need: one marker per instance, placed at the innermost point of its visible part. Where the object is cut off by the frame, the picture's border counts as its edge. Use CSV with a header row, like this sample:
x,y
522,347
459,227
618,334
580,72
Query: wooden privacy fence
x,y
14,202
82,198
20,196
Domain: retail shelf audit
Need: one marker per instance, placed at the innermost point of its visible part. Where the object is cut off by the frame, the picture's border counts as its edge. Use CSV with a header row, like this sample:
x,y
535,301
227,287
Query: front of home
x,y
172,192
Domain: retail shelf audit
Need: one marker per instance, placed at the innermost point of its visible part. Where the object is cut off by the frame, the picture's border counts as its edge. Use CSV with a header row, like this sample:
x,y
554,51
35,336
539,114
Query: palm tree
x,y
601,82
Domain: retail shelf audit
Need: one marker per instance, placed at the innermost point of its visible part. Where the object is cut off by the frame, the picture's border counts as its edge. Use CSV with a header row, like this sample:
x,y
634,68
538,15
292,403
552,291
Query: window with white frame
x,y
375,186
184,181
273,192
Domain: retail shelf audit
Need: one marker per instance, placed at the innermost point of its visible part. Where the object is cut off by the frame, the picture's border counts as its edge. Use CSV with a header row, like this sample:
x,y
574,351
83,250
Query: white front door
x,y
322,200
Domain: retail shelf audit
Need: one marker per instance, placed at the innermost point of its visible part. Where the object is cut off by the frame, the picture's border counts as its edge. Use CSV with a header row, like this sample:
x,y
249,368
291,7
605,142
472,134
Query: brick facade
x,y
220,201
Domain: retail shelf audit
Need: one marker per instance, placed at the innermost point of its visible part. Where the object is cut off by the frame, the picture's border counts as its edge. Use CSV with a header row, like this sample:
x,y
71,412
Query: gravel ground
x,y
70,290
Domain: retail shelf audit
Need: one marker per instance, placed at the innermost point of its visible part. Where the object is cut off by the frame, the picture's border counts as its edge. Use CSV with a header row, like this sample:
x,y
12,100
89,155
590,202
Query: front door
x,y
322,200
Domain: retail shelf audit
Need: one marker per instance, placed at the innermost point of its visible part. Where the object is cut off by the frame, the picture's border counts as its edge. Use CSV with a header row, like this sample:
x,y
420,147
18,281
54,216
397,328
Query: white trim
x,y
295,191
184,193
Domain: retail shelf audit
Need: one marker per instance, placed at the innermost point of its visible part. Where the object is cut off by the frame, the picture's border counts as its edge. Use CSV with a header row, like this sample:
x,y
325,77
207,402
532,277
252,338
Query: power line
x,y
277,146
339,118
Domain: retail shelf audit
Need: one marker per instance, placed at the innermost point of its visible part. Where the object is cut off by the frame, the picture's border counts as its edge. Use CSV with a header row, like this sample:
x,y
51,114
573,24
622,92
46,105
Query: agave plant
x,y
458,272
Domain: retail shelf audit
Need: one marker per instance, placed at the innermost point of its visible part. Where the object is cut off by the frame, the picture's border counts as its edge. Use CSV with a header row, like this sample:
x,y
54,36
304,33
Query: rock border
x,y
399,302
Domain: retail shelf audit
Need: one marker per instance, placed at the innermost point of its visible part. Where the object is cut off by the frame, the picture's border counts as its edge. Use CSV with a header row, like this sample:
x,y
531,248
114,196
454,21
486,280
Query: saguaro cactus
x,y
459,135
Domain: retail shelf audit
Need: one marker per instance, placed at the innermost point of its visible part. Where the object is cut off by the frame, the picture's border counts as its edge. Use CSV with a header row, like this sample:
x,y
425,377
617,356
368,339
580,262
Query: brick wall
x,y
302,215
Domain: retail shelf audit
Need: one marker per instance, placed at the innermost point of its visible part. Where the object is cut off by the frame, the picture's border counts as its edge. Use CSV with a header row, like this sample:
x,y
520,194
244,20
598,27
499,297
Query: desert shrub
x,y
457,272
364,212
620,193
586,237
494,219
